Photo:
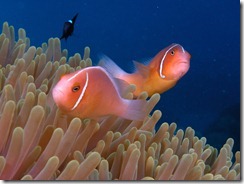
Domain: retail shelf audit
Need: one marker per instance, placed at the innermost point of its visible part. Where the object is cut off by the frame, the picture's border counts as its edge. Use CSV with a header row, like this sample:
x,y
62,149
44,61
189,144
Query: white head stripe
x,y
162,61
74,75
82,93
70,21
183,50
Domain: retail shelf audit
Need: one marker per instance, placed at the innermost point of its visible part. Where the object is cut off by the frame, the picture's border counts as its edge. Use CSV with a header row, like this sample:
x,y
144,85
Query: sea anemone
x,y
39,142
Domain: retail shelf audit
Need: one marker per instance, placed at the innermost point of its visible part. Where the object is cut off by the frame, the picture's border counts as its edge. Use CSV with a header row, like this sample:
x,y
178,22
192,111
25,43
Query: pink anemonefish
x,y
92,93
161,74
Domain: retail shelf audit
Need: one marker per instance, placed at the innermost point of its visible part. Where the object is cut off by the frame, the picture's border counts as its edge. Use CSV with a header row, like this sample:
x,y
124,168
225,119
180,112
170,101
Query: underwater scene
x,y
120,90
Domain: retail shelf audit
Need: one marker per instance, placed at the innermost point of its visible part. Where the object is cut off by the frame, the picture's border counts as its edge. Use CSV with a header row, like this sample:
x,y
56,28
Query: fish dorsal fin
x,y
142,69
146,61
110,66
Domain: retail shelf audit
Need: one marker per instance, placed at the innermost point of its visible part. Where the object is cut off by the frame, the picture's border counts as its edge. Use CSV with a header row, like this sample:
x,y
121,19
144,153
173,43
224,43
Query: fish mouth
x,y
55,90
184,61
183,67
58,97
184,64
57,93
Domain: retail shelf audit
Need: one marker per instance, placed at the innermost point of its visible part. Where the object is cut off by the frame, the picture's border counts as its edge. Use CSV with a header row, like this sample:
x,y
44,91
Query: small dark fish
x,y
68,28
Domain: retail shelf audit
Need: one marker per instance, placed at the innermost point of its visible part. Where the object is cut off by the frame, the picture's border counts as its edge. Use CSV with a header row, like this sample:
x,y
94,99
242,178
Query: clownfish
x,y
92,93
68,28
161,74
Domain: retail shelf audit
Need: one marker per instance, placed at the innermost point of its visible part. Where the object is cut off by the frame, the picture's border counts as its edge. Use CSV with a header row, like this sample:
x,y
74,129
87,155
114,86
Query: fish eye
x,y
75,88
172,52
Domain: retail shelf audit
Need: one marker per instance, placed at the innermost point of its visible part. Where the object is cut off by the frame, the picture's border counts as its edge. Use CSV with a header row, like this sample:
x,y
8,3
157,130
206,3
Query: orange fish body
x,y
161,74
92,93
154,84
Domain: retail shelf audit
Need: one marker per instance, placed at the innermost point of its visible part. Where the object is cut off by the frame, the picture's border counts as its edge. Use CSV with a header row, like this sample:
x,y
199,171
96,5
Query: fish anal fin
x,y
142,69
135,110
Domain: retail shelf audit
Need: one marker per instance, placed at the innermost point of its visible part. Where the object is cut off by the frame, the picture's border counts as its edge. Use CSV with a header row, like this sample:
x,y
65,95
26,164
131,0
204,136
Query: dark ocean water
x,y
207,98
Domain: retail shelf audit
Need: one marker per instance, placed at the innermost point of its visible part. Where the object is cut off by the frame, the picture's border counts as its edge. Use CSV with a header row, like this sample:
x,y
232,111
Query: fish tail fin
x,y
134,110
111,67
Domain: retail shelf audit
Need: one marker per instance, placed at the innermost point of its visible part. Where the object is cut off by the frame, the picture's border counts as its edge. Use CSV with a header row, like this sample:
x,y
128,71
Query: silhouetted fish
x,y
68,28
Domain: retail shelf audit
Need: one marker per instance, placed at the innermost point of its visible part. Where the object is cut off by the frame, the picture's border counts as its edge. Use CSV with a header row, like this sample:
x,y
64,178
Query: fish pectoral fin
x,y
142,69
122,85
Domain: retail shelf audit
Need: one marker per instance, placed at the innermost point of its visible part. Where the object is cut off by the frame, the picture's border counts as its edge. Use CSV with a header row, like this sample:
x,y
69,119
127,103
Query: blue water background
x,y
207,98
